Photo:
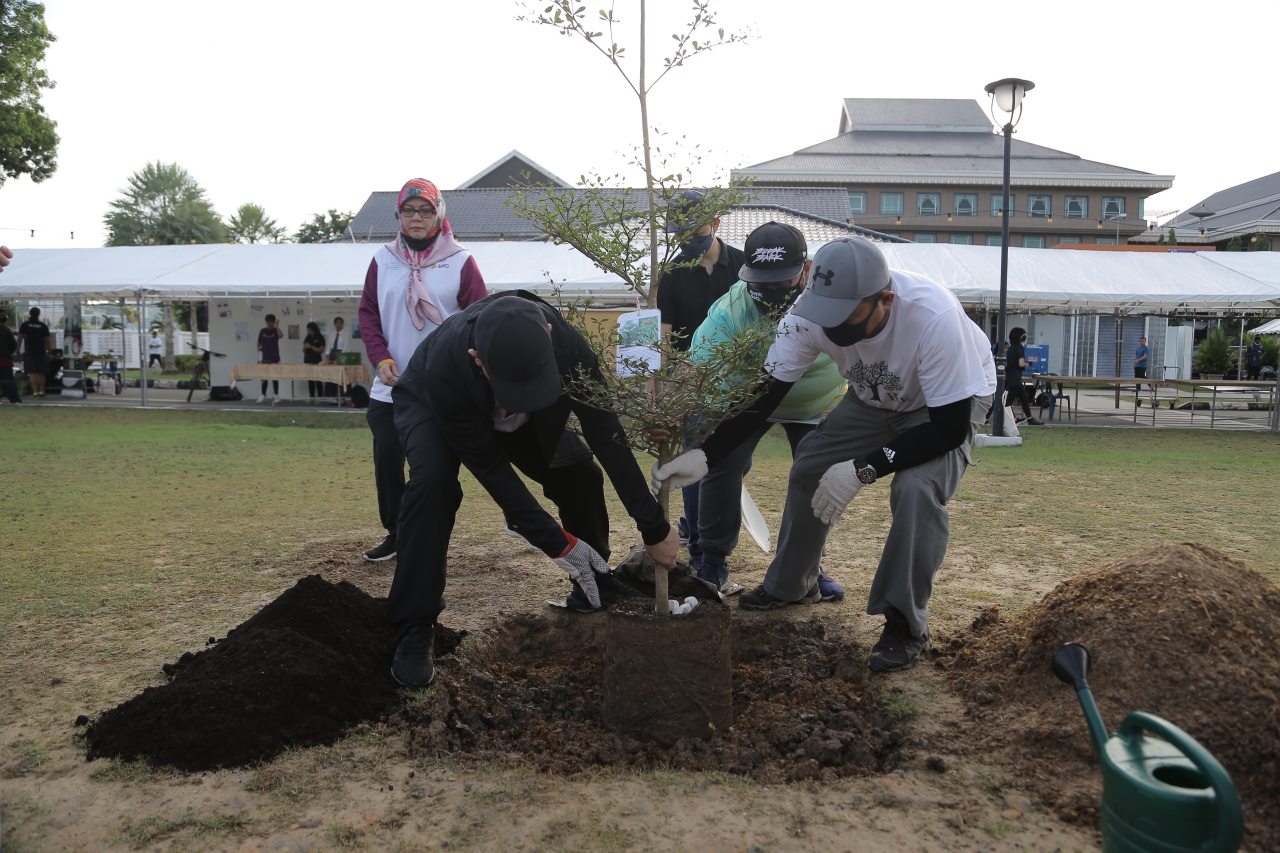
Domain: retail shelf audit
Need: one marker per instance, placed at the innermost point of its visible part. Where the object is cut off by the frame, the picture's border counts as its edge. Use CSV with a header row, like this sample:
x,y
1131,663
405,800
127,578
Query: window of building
x,y
1069,240
928,204
1112,206
857,202
1105,241
891,204
962,239
1142,208
926,238
997,202
1033,241
966,204
1076,207
993,239
1040,206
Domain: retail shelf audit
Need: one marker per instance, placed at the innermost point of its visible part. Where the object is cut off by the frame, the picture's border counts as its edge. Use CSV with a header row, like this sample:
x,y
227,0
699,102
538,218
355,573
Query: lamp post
x,y
1116,219
1006,95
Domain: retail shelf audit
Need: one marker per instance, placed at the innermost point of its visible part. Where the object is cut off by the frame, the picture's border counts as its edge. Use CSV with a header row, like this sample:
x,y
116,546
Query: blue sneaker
x,y
829,589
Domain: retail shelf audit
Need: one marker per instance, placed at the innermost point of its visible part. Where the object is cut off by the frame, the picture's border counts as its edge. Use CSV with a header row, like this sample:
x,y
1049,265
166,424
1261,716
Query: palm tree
x,y
163,205
250,224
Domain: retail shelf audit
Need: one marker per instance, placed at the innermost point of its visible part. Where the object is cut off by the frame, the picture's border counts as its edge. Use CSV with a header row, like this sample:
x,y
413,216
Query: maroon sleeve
x,y
375,343
471,288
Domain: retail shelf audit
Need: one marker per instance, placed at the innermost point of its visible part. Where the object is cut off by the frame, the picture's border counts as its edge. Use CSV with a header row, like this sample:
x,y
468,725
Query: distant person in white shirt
x,y
921,378
155,350
339,340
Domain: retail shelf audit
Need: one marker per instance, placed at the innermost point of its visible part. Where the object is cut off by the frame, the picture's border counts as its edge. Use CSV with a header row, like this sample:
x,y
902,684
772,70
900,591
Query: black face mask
x,y
771,300
846,335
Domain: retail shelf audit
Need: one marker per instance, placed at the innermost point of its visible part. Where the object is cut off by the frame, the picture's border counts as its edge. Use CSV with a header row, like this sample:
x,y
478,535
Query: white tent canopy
x,y
1272,328
1045,281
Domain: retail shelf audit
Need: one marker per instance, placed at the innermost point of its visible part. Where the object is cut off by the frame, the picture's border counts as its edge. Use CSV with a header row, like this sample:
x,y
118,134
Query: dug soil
x,y
1181,631
310,664
530,691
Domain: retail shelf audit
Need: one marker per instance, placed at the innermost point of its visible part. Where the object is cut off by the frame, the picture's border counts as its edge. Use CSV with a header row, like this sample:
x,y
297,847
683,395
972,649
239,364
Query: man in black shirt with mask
x,y
684,295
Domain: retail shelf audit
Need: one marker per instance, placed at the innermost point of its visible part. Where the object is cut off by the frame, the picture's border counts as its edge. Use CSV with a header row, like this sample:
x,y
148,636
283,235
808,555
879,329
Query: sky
x,y
302,107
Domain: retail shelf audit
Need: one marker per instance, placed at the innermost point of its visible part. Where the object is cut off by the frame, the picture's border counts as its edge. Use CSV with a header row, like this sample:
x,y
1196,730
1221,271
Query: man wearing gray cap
x,y
921,378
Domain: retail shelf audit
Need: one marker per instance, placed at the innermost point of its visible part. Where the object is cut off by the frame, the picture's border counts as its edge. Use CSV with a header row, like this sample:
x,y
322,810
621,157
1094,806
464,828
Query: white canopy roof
x,y
1041,280
1272,328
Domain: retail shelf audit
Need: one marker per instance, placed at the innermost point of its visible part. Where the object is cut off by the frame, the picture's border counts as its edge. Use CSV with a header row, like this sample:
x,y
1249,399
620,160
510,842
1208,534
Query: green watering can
x,y
1158,796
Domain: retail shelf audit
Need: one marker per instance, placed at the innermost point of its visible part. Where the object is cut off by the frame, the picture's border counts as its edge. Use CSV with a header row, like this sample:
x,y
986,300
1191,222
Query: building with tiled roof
x,y
931,170
1245,211
480,213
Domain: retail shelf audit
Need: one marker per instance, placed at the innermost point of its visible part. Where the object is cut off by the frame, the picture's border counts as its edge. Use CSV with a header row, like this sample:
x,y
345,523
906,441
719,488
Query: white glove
x,y
582,562
685,470
836,488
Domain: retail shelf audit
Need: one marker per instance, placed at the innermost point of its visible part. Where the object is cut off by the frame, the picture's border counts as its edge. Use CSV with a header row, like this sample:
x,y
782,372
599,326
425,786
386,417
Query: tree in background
x,y
163,205
28,140
1234,244
324,227
1261,242
1160,240
1173,237
250,224
1213,356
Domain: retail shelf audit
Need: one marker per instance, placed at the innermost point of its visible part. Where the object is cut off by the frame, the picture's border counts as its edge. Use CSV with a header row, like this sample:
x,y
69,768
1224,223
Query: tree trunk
x,y
170,360
661,601
651,299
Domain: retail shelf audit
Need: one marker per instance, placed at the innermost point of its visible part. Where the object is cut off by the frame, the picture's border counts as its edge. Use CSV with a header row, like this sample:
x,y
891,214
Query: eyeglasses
x,y
421,212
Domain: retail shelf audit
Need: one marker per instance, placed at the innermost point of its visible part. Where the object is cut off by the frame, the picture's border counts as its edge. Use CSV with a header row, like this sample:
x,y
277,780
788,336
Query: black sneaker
x,y
1034,422
385,551
682,527
760,599
414,665
897,647
611,591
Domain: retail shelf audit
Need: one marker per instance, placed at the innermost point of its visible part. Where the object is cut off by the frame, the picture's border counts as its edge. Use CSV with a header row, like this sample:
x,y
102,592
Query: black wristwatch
x,y
866,473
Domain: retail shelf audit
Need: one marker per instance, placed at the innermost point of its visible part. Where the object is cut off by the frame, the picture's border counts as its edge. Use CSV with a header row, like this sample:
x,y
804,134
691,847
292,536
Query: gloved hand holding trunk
x,y
685,470
582,562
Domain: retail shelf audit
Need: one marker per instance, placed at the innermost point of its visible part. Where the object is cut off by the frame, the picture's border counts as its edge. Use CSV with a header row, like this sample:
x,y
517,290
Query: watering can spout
x,y
1071,665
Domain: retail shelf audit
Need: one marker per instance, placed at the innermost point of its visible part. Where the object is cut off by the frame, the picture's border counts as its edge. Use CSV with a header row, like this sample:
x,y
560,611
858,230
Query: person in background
x,y
8,346
1015,361
1141,361
155,349
39,341
1253,359
313,353
414,284
339,343
684,296
269,349
775,271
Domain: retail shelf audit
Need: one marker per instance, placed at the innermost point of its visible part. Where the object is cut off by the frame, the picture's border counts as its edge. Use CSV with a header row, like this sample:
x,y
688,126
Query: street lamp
x,y
1006,95
1116,219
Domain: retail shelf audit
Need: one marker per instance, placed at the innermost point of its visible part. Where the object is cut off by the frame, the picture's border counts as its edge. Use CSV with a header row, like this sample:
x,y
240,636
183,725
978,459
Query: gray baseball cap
x,y
845,271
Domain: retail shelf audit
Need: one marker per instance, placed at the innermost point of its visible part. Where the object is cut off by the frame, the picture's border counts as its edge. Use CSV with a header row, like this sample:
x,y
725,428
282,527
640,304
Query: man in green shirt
x,y
776,269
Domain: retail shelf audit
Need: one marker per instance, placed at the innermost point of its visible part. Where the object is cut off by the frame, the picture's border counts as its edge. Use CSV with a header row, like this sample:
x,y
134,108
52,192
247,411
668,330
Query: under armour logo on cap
x,y
825,277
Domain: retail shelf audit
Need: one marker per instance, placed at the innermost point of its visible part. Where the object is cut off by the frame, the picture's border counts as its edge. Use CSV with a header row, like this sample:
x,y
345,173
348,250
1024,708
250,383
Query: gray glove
x,y
685,470
582,563
836,489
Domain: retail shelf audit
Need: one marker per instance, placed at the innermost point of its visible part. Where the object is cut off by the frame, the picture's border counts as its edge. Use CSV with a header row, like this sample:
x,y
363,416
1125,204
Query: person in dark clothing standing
x,y
39,340
686,293
486,390
269,350
1015,361
8,346
313,353
1253,359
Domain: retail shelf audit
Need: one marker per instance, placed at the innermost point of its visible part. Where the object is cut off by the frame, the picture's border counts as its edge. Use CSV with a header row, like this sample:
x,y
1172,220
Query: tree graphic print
x,y
876,376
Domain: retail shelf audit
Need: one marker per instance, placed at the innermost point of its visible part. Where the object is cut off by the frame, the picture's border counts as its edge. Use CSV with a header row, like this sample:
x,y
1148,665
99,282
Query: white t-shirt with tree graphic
x,y
928,354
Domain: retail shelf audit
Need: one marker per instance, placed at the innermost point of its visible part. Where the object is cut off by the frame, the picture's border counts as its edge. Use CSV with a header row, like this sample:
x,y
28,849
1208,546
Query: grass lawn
x,y
128,537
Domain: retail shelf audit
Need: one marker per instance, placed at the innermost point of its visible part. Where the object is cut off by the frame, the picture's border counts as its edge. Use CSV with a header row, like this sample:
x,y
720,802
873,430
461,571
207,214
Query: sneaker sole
x,y
885,667
430,681
369,559
837,597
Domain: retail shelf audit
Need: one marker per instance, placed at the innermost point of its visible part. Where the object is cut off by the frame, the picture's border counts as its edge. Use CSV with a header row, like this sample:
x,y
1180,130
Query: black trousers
x,y
1015,390
275,386
432,498
9,388
388,462
315,388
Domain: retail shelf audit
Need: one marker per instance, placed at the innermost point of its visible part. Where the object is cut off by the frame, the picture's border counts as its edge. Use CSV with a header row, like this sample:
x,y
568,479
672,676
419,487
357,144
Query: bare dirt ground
x,y
88,621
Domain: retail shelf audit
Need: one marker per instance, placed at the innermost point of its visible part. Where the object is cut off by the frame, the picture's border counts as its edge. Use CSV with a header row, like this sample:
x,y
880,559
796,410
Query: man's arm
x,y
729,435
947,429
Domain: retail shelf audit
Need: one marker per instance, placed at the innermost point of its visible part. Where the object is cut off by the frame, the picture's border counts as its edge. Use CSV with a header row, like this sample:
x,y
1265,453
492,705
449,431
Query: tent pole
x,y
1119,334
142,345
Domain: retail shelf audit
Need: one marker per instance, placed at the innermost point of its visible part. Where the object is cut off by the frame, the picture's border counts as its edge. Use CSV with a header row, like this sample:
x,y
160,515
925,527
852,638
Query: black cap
x,y
684,212
775,252
513,343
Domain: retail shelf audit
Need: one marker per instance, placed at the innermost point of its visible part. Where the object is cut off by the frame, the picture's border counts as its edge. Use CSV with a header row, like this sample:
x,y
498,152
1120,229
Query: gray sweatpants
x,y
918,499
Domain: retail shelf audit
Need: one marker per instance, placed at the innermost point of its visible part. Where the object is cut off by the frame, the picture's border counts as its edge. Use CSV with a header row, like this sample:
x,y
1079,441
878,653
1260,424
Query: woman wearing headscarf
x,y
413,283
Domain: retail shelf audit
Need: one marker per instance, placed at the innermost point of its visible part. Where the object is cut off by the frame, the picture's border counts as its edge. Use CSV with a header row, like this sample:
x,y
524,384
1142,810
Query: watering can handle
x,y
1230,816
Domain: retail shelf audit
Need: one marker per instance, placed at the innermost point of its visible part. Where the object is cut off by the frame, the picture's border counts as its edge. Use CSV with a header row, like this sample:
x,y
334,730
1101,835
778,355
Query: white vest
x,y
443,279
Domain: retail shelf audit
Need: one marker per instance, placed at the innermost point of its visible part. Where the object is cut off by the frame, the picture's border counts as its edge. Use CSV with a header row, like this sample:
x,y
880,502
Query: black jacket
x,y
442,381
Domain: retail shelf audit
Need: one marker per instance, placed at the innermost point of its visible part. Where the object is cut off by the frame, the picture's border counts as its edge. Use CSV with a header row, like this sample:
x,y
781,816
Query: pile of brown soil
x,y
308,665
1181,631
531,691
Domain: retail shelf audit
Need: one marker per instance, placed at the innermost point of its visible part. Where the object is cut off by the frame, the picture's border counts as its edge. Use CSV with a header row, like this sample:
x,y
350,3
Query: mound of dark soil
x,y
308,665
531,691
1181,631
